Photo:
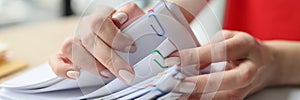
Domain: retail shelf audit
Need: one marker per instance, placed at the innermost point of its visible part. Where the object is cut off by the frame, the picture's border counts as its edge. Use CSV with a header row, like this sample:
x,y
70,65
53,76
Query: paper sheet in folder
x,y
164,30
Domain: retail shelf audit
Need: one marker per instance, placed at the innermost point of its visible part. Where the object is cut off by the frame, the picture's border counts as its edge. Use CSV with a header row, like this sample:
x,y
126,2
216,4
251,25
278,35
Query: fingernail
x,y
106,73
73,74
126,75
171,61
130,48
121,17
186,87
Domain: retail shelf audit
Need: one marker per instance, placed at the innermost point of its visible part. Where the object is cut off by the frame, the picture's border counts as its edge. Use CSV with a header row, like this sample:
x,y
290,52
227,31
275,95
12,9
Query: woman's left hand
x,y
250,68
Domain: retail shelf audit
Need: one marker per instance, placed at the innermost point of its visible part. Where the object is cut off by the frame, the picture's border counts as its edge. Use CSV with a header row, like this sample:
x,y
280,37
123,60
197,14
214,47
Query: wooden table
x,y
35,42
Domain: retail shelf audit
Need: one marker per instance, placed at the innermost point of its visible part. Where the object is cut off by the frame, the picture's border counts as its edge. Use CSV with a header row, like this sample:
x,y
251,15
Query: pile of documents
x,y
48,87
157,34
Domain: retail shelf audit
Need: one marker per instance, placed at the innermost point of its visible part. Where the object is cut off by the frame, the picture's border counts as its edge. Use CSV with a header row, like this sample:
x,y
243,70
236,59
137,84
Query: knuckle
x,y
235,96
230,47
108,26
246,77
97,22
85,39
246,38
108,61
95,27
53,65
227,34
88,40
132,5
67,45
241,41
57,71
189,56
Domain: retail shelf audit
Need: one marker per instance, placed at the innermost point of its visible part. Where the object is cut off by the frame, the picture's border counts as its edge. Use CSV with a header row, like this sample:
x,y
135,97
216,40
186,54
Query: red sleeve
x,y
264,19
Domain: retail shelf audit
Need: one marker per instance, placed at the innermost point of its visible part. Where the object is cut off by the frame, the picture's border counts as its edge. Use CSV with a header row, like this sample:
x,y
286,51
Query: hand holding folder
x,y
157,34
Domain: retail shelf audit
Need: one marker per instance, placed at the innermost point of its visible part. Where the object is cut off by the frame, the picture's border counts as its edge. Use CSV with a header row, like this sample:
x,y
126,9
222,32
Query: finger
x,y
219,37
238,77
66,48
99,15
109,30
238,94
88,62
235,47
103,71
191,97
222,35
61,66
132,10
103,26
82,58
113,37
108,57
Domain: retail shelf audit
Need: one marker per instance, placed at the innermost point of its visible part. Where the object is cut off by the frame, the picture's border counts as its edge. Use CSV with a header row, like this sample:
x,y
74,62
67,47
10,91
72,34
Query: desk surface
x,y
35,42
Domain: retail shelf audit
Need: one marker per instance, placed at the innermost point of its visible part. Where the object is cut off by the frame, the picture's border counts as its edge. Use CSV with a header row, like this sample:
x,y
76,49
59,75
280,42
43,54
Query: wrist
x,y
279,75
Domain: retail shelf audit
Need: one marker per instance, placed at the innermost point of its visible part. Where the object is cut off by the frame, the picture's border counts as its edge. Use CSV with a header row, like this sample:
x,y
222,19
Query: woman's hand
x,y
92,48
250,68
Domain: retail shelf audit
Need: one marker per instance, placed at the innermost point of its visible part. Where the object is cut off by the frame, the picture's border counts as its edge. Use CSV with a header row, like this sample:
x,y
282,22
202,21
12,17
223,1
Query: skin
x,y
98,35
252,64
251,67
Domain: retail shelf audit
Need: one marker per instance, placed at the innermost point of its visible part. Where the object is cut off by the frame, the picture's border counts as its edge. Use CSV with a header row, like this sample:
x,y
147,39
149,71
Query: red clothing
x,y
264,19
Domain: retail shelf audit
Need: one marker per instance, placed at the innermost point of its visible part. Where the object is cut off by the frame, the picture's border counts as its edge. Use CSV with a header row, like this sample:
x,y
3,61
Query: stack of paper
x,y
157,34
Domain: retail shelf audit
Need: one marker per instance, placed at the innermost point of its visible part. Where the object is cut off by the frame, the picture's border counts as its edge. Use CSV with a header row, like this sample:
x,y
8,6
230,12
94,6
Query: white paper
x,y
144,69
40,77
178,36
57,95
145,38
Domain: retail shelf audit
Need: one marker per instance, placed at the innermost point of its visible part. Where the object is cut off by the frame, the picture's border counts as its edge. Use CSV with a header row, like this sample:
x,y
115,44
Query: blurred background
x,y
33,30
16,12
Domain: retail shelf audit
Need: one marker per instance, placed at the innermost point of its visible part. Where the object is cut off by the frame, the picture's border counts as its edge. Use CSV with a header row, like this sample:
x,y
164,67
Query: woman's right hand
x,y
92,49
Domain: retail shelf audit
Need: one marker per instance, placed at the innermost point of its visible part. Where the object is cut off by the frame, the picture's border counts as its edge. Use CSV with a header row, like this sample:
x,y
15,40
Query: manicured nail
x,y
121,17
130,48
126,75
186,87
73,74
171,61
106,73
